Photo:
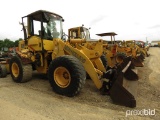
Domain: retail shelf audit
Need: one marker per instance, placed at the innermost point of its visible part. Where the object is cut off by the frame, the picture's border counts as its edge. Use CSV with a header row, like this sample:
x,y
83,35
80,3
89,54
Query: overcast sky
x,y
130,19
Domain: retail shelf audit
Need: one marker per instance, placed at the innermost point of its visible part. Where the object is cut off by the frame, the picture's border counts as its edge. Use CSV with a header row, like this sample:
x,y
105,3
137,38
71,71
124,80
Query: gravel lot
x,y
35,99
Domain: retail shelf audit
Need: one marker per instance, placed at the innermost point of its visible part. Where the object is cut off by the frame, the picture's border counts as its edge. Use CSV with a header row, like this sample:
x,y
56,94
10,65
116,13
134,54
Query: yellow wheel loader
x,y
126,48
137,54
110,58
118,54
112,49
65,62
110,52
141,48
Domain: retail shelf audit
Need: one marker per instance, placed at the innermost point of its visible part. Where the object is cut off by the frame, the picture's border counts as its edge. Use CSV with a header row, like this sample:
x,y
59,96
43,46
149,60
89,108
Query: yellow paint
x,y
15,69
62,77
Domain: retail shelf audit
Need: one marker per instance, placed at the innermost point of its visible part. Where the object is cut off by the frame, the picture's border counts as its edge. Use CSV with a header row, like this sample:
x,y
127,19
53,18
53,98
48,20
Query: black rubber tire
x,y
76,71
3,71
122,55
25,71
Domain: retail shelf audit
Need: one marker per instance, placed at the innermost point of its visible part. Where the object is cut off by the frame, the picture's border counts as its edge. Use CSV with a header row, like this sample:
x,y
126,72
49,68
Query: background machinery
x,y
111,59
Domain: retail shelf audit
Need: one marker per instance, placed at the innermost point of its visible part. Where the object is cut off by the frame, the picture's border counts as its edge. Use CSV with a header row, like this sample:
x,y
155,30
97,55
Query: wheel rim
x,y
15,69
62,77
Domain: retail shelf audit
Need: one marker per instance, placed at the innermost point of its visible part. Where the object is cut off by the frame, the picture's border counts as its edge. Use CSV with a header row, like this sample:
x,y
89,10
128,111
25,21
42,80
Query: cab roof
x,y
107,34
37,14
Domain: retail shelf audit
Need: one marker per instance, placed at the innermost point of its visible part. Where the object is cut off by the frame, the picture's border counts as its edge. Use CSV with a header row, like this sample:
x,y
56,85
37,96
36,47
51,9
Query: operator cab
x,y
111,34
44,24
79,33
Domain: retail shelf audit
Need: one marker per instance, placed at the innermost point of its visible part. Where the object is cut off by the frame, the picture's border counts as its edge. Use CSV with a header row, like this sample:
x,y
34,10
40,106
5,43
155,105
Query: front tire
x,y
19,72
66,75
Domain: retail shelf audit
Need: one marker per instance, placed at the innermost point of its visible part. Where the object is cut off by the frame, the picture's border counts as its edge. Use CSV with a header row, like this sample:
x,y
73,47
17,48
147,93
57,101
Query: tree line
x,y
7,43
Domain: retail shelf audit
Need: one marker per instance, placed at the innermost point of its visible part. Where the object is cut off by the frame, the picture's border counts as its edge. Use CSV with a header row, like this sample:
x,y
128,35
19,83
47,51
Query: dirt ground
x,y
35,99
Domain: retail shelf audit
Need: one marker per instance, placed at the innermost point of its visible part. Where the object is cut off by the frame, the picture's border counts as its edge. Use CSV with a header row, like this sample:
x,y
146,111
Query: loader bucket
x,y
147,54
137,62
141,56
127,70
120,95
126,61
124,88
132,65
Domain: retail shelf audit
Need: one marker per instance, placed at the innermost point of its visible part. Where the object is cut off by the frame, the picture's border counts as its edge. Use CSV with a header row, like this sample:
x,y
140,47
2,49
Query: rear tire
x,y
3,71
20,73
66,75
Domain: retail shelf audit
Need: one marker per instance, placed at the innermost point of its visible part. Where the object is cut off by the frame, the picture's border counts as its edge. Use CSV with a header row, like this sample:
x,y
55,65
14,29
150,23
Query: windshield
x,y
53,28
85,33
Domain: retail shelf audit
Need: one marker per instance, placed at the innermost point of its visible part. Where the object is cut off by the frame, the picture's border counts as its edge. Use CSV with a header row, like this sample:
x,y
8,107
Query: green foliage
x,y
16,42
1,44
7,43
